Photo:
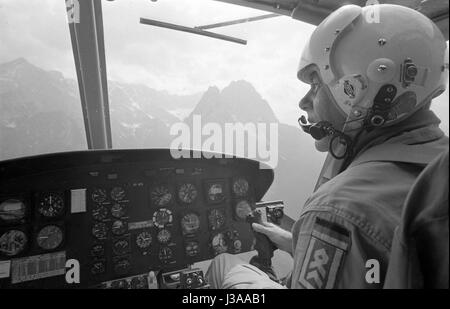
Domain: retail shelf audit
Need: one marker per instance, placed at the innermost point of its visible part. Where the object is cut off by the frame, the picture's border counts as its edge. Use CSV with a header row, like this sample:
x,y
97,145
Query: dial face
x,y
50,237
162,217
122,266
98,268
216,192
242,209
118,210
121,246
100,230
98,250
187,193
164,236
192,248
51,205
13,242
216,219
12,210
160,196
99,212
240,187
119,227
118,193
144,240
165,254
98,195
219,244
190,223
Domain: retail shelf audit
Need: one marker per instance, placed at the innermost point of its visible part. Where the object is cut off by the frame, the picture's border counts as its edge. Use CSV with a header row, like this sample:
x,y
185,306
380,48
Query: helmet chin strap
x,y
323,129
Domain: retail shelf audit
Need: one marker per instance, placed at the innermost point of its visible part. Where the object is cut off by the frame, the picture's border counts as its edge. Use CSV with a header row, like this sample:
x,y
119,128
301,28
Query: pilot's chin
x,y
322,145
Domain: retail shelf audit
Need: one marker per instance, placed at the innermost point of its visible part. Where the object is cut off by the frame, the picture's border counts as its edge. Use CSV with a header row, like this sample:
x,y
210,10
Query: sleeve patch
x,y
325,253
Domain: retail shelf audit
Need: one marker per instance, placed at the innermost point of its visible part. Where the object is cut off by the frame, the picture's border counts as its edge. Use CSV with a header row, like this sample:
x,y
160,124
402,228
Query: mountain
x,y
41,112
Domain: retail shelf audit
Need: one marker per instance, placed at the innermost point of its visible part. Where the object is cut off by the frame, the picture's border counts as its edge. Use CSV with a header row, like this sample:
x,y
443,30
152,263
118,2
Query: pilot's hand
x,y
281,238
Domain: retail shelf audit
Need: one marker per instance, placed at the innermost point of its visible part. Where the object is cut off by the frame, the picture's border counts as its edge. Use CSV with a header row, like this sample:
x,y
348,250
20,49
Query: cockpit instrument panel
x,y
121,214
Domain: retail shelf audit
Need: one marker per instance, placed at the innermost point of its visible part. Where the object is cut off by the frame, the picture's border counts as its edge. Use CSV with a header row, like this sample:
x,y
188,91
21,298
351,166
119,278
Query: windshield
x,y
40,110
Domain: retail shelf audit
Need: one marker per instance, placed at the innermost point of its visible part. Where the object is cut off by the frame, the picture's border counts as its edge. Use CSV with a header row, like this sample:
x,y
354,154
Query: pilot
x,y
373,72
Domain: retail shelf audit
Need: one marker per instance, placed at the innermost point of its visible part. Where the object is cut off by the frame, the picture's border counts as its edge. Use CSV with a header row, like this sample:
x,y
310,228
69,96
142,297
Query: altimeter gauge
x,y
240,187
164,236
160,196
190,223
187,193
118,193
119,227
162,217
215,192
51,204
99,195
12,243
144,240
50,237
242,209
219,244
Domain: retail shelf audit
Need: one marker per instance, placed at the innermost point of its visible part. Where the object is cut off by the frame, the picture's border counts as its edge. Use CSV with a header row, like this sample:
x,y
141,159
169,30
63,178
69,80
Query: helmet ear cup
x,y
381,70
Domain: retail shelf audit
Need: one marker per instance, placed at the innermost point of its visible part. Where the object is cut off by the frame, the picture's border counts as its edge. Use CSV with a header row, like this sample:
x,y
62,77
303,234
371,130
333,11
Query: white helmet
x,y
369,57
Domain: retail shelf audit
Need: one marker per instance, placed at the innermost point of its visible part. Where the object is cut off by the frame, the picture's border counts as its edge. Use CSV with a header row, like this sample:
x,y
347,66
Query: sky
x,y
163,59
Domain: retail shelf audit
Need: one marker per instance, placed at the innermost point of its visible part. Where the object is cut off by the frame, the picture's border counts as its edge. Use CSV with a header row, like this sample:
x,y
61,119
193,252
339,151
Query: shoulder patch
x,y
326,251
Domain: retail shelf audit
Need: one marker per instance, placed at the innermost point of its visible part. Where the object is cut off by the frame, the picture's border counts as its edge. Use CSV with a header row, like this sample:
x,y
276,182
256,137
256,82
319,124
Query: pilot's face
x,y
320,107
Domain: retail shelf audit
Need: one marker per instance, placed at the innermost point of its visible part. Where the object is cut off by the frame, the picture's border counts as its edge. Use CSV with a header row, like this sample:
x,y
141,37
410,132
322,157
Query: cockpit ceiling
x,y
314,11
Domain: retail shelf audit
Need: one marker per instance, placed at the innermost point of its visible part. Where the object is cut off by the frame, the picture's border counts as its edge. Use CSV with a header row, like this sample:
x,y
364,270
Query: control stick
x,y
264,246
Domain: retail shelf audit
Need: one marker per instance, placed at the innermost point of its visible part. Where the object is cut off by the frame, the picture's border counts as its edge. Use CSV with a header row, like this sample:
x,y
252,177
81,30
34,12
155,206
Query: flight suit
x,y
420,249
344,234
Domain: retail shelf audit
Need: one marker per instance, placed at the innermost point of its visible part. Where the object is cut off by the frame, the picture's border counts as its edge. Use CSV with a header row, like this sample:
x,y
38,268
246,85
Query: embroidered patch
x,y
326,251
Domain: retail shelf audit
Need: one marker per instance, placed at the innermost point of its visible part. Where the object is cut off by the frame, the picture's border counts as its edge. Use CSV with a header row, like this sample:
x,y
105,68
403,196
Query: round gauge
x,y
165,254
190,223
119,227
144,240
160,196
51,205
98,195
219,244
243,209
216,192
164,236
187,193
98,268
99,212
98,250
122,267
118,193
121,246
216,219
192,248
240,187
139,283
13,242
12,210
50,237
100,230
118,210
162,217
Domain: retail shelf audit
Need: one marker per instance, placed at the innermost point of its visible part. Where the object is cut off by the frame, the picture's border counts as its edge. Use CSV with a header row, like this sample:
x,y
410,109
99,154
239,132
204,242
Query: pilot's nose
x,y
306,102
